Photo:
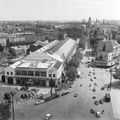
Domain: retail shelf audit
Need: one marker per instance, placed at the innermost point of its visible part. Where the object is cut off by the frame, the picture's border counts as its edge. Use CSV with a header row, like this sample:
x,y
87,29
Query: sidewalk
x,y
115,101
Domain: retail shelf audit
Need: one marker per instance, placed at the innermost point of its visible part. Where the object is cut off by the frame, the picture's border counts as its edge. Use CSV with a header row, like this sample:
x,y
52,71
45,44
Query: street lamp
x,y
13,111
51,83
110,78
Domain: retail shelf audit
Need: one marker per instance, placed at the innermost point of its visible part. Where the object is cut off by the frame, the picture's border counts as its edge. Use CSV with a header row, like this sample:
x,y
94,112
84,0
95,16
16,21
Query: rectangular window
x,y
53,75
18,72
24,72
49,75
7,73
43,74
30,73
37,73
11,73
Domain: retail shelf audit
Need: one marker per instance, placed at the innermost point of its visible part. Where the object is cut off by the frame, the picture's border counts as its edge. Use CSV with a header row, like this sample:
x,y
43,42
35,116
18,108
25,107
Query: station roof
x,y
65,48
38,56
35,65
48,46
15,64
57,65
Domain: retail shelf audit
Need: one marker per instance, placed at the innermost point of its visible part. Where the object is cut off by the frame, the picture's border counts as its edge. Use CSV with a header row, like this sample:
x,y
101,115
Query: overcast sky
x,y
59,9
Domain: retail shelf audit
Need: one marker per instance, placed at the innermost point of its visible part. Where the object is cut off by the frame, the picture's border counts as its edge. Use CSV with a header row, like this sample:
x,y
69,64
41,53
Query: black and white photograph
x,y
59,60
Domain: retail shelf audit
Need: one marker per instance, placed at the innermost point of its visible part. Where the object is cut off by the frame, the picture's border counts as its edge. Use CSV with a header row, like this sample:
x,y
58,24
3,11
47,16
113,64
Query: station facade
x,y
42,67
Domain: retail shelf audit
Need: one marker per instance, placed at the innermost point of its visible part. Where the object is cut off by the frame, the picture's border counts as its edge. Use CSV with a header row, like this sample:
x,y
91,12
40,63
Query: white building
x,y
108,53
38,68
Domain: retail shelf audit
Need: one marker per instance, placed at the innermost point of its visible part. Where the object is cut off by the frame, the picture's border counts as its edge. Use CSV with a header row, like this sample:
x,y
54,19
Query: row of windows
x,y
9,73
32,73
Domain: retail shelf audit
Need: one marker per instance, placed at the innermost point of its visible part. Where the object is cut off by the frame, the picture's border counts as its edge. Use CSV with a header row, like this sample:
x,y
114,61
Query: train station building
x,y
41,66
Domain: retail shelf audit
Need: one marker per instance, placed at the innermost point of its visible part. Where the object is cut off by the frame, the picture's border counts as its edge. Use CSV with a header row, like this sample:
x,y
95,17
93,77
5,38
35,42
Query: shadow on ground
x,y
115,85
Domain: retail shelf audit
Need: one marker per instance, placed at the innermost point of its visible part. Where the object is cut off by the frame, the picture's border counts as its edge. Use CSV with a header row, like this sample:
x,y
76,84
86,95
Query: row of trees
x,y
72,65
72,32
5,106
95,35
117,74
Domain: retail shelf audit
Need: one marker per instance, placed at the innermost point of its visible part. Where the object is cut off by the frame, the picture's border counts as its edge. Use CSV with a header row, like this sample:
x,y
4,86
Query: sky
x,y
65,10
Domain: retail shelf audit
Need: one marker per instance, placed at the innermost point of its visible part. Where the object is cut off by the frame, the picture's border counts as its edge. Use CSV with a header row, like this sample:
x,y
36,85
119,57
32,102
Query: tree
x,y
5,111
32,48
117,74
74,62
81,44
28,51
1,48
78,55
12,51
71,73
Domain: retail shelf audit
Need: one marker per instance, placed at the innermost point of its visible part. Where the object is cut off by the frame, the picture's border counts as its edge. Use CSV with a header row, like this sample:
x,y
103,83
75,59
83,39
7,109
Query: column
x,y
6,80
56,82
47,83
14,81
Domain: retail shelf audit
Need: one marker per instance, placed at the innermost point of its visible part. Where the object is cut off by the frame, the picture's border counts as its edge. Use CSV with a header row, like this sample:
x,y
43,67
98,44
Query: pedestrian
x,y
102,112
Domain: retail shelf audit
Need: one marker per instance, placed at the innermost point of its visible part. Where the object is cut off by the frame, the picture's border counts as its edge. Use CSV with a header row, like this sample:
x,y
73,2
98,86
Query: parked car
x,y
97,114
23,96
47,117
107,97
70,90
75,95
64,92
18,88
23,88
48,99
39,102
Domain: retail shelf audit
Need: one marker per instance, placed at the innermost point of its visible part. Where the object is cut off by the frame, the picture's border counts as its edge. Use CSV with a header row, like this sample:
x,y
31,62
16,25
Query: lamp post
x,y
13,111
51,83
110,78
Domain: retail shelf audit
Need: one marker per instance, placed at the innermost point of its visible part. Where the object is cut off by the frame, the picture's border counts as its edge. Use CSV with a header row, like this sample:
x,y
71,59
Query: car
x,y
97,114
92,110
32,93
103,88
18,88
96,102
94,90
107,97
23,96
47,117
23,88
39,102
64,92
94,97
75,95
70,90
101,101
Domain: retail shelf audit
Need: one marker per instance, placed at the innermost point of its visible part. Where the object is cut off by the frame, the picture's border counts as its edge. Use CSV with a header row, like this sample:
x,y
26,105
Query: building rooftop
x,y
65,48
15,64
57,65
24,64
48,46
107,45
38,56
52,54
34,65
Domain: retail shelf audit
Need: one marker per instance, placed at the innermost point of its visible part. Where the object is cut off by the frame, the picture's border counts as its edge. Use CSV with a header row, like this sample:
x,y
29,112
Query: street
x,y
69,107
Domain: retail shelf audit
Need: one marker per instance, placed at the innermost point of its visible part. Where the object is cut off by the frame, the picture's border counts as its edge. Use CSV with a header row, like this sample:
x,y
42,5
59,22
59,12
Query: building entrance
x,y
10,81
3,78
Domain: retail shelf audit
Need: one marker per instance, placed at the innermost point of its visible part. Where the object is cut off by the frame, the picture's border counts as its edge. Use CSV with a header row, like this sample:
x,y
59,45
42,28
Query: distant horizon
x,y
58,10
62,20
